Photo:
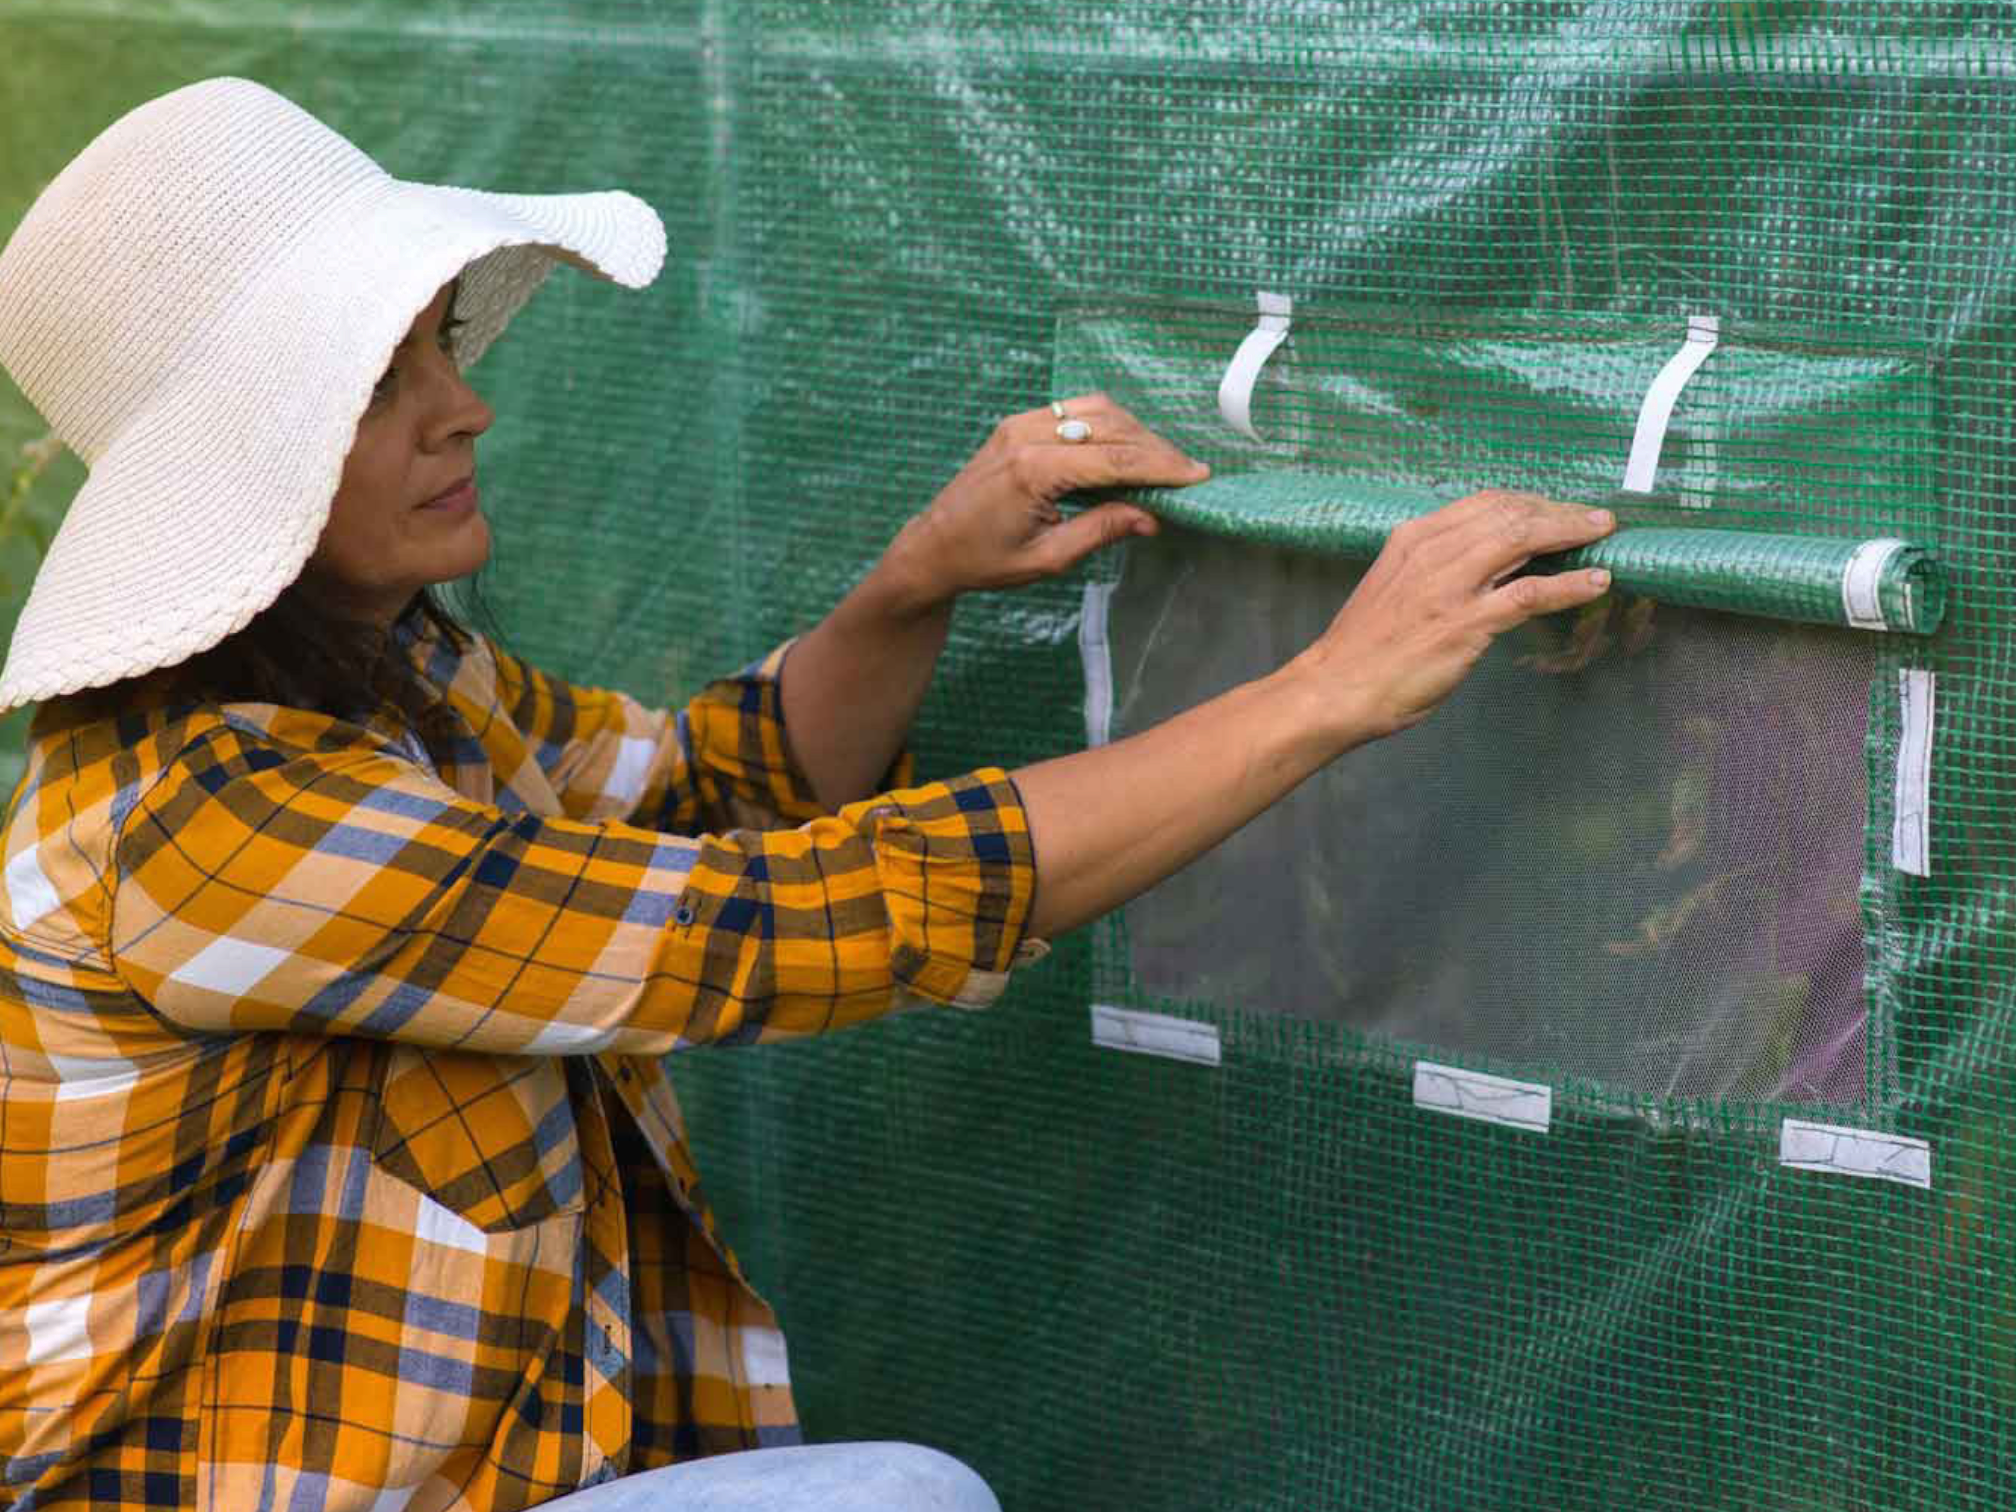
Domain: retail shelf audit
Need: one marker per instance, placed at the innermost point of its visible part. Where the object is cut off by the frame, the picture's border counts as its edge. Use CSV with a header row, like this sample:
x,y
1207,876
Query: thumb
x,y
1065,545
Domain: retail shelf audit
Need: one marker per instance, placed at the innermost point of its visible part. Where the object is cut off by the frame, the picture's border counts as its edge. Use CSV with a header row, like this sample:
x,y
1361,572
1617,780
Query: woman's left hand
x,y
997,524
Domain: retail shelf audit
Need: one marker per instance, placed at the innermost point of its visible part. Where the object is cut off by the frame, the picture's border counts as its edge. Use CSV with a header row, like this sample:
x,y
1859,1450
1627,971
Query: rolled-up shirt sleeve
x,y
721,761
345,890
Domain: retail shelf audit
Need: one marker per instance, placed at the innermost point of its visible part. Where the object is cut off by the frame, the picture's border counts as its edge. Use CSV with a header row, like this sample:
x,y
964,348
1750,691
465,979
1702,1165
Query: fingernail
x,y
1600,577
1600,517
1198,467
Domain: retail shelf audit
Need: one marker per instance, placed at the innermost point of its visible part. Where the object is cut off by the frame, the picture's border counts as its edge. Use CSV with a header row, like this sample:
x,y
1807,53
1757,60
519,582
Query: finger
x,y
1108,411
1111,424
1050,472
1527,598
1148,459
1441,543
1093,405
1040,425
1500,540
1465,512
1064,546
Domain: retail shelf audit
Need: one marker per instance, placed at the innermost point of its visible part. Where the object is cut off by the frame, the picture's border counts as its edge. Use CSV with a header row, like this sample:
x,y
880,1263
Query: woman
x,y
341,947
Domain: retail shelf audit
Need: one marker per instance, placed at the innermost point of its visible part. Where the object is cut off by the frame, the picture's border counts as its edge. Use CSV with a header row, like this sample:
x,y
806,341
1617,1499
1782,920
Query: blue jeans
x,y
804,1478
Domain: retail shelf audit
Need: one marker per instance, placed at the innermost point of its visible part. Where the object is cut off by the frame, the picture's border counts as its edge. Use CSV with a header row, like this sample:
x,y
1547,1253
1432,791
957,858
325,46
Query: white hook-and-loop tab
x,y
1862,583
1156,1034
1911,810
1703,331
1487,1098
1235,389
1843,1151
1096,652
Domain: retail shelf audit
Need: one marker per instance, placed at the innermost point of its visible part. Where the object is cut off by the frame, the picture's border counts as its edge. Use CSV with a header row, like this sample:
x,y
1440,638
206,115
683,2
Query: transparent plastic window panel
x,y
1629,849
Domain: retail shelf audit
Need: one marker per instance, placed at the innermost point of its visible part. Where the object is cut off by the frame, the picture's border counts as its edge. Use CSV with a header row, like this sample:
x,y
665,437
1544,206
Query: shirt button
x,y
683,914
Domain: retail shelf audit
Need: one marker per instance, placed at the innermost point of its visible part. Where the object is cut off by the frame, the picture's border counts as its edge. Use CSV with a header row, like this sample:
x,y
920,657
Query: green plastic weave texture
x,y
1745,572
1120,1281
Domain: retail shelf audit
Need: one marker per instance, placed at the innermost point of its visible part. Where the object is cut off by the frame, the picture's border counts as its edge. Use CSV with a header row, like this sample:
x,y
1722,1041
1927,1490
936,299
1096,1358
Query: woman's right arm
x,y
1111,822
271,879
268,881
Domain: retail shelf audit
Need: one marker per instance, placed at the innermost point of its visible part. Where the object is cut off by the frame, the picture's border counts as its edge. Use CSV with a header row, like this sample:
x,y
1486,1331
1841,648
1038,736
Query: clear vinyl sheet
x,y
1628,849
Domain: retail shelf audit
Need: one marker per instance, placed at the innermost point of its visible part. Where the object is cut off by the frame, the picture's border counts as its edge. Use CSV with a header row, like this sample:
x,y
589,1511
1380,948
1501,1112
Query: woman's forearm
x,y
852,684
1109,823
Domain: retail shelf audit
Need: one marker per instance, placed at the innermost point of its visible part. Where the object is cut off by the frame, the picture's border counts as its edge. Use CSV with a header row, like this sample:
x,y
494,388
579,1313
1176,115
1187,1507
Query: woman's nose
x,y
455,409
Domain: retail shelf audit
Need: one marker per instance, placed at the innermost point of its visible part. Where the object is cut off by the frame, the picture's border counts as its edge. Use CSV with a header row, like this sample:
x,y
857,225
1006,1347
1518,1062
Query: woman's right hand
x,y
1109,822
1428,608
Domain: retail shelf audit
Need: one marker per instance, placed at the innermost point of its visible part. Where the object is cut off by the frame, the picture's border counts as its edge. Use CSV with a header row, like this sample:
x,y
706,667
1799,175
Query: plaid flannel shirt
x,y
337,1165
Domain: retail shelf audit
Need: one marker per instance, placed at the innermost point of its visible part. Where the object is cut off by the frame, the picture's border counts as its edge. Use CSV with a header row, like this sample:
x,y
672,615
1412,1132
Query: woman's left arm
x,y
852,684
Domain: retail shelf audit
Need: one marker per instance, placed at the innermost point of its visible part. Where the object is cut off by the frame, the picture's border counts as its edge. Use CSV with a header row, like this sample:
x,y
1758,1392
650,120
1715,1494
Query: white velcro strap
x,y
1235,389
1862,583
1155,1034
1490,1099
1854,1152
1096,652
1703,331
1911,822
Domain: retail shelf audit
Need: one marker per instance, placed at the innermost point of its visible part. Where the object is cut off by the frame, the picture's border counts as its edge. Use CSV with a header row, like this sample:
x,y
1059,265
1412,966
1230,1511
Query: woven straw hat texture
x,y
200,305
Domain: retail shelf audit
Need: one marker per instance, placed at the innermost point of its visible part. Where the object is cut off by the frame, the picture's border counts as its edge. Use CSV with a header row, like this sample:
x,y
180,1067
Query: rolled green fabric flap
x,y
1860,583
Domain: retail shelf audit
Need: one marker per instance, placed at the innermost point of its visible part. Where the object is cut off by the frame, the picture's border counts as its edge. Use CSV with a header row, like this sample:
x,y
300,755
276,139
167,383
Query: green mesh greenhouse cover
x,y
1606,1099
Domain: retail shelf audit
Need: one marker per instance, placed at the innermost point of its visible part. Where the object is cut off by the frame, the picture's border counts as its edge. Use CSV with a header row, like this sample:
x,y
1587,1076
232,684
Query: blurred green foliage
x,y
39,484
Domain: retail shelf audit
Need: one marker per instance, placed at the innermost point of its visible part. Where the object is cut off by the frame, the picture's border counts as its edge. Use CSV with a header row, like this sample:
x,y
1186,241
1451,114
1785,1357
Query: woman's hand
x,y
1428,608
997,524
1111,821
855,680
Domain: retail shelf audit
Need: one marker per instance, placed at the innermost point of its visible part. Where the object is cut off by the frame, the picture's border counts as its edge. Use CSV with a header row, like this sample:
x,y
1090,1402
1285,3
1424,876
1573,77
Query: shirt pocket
x,y
491,1138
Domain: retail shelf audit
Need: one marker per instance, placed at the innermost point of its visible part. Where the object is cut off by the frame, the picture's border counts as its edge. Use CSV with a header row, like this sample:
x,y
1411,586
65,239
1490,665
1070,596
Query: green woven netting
x,y
1746,572
1133,1281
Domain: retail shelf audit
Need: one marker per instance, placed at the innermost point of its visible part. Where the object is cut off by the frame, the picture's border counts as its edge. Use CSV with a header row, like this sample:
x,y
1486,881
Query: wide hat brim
x,y
207,505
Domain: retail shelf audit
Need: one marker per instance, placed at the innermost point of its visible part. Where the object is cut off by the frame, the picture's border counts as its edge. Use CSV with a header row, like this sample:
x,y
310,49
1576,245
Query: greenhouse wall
x,y
1607,1099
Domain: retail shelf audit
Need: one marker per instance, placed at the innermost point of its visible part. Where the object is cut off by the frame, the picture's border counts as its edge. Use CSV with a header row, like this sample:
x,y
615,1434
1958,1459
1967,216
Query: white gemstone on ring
x,y
1073,431
1057,408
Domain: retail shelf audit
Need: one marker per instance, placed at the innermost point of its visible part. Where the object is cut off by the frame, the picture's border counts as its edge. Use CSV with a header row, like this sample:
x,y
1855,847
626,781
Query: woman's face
x,y
406,513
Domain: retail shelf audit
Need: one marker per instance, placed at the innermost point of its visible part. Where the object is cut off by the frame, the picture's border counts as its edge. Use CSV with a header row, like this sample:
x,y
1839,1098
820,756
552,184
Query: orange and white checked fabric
x,y
337,1166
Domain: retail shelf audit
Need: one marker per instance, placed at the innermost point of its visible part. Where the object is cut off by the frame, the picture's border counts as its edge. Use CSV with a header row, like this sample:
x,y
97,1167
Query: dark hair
x,y
299,653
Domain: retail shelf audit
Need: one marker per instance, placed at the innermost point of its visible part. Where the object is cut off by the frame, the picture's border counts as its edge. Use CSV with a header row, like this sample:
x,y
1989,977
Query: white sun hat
x,y
200,305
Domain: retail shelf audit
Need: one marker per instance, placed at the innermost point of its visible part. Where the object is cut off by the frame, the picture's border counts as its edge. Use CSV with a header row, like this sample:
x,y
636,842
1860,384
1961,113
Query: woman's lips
x,y
458,500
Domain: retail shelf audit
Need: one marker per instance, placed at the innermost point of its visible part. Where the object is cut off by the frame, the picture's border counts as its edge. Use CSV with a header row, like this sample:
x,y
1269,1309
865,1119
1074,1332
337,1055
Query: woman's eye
x,y
447,334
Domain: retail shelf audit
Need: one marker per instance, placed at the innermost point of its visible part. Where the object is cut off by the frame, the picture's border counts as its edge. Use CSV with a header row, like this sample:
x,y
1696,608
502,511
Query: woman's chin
x,y
468,552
